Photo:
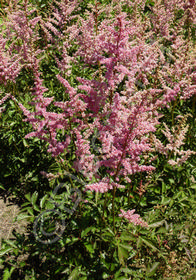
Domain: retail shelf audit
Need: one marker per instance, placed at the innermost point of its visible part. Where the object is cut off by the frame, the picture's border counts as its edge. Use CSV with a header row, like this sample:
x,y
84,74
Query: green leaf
x,y
165,200
89,247
84,232
162,230
7,273
156,224
28,197
1,187
110,231
43,200
22,216
11,243
25,204
122,254
148,243
5,251
127,247
171,181
151,271
164,187
171,203
25,143
33,201
126,270
127,236
193,186
30,210
34,198
74,275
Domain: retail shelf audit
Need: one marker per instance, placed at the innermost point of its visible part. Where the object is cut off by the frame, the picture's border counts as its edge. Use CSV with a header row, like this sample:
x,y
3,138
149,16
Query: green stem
x,y
173,107
193,107
104,207
113,210
129,193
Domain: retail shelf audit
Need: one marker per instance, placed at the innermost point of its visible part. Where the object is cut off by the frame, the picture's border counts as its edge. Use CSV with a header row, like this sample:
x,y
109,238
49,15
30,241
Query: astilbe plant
x,y
125,117
20,36
132,79
129,115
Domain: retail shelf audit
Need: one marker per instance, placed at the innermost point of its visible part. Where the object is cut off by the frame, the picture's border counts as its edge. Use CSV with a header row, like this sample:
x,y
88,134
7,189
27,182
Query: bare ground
x,y
8,212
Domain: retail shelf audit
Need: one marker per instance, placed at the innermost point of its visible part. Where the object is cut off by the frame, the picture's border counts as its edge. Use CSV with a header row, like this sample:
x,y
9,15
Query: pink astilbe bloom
x,y
4,98
45,129
2,101
133,218
9,65
85,160
21,29
175,137
103,186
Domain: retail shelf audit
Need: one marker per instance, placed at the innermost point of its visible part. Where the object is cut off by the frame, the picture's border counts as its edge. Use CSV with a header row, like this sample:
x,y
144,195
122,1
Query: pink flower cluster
x,y
103,186
176,139
133,218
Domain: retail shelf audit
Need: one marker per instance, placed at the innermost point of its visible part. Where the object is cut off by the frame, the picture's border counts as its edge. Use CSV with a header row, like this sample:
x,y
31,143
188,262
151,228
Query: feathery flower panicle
x,y
175,137
103,186
2,101
4,98
133,218
9,65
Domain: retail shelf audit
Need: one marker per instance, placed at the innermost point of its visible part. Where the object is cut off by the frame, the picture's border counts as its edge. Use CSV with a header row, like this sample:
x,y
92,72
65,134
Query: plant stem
x,y
113,210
